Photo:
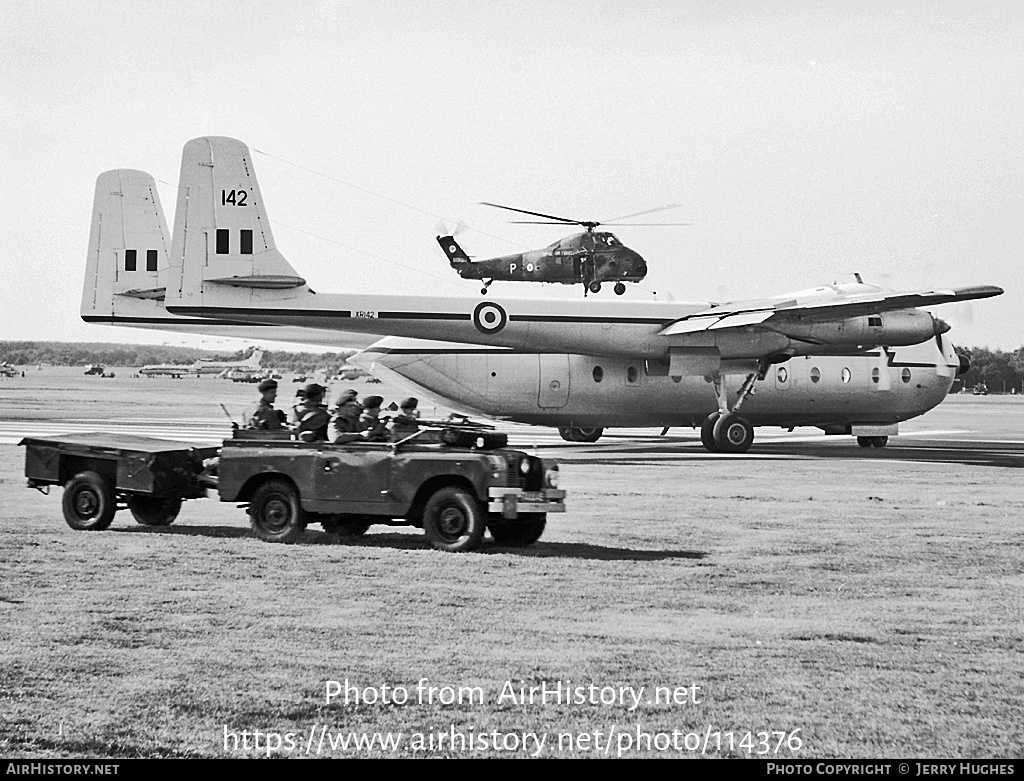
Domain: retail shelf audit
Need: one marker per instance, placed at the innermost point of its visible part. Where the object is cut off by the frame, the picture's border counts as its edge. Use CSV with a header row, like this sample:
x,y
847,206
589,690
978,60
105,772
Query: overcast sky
x,y
804,141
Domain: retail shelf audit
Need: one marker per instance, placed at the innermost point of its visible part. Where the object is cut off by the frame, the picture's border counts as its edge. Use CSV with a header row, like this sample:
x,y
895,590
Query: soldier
x,y
311,416
405,424
372,427
266,417
345,423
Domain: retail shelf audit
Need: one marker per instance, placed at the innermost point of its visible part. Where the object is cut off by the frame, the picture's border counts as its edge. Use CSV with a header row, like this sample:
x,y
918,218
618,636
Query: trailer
x,y
458,485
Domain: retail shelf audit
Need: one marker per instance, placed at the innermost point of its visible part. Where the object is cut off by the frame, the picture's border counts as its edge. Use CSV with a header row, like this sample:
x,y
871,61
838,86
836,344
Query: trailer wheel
x,y
276,513
89,502
453,520
523,531
150,511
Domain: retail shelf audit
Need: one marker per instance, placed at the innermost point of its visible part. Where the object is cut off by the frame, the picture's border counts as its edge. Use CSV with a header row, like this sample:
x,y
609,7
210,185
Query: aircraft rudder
x,y
127,240
223,245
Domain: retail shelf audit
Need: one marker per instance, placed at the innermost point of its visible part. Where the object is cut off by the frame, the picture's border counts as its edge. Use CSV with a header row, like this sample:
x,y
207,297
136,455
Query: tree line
x,y
139,355
999,371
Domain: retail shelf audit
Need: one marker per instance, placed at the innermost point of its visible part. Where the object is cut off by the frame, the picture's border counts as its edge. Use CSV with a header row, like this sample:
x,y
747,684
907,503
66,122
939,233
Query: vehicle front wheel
x,y
879,441
150,511
276,513
453,520
865,441
519,532
89,502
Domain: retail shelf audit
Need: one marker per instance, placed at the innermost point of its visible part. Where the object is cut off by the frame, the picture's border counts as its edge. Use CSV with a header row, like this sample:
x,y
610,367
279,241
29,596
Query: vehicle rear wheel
x,y
707,432
733,434
150,511
879,441
865,441
453,520
566,433
276,513
519,532
345,528
89,502
619,288
595,287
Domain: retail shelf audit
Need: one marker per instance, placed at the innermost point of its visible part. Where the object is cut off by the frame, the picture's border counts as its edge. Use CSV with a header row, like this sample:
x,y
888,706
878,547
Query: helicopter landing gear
x,y
619,288
487,284
594,287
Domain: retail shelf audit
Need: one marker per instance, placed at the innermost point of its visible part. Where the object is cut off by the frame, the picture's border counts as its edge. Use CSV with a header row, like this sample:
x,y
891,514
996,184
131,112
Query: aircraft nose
x,y
941,326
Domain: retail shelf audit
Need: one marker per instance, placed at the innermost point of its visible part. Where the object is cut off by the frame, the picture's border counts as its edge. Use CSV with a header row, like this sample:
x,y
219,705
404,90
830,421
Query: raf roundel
x,y
452,249
489,318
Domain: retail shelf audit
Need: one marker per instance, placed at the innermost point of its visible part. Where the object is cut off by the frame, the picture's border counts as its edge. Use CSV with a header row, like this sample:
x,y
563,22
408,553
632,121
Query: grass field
x,y
846,608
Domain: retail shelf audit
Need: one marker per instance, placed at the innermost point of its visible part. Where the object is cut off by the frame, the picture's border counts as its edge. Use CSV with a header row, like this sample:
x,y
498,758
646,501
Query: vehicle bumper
x,y
509,502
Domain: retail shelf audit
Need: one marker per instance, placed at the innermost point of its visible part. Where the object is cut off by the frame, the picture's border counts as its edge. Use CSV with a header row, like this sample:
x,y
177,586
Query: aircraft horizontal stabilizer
x,y
154,294
262,281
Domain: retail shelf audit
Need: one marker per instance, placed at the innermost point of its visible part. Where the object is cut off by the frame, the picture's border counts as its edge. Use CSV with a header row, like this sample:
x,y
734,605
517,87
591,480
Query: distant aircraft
x,y
205,366
164,369
846,358
7,370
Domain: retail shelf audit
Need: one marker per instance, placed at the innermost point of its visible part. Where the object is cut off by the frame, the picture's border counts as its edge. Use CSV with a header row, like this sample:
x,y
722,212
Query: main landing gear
x,y
726,431
487,284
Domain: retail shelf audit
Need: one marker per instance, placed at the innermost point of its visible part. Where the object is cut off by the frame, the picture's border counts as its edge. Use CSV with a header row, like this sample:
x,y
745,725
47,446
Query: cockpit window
x,y
607,239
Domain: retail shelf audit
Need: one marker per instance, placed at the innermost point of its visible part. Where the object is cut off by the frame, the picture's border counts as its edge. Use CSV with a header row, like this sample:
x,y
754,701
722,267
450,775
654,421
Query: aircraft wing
x,y
823,305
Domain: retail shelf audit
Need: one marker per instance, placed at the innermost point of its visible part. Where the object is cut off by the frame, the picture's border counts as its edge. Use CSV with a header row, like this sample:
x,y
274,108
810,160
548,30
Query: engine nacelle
x,y
893,329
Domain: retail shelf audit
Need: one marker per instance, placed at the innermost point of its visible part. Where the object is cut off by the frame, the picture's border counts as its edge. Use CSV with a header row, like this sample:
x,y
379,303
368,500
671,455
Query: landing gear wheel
x,y
276,513
453,520
589,434
879,441
595,287
483,291
865,441
707,432
520,532
345,528
733,434
154,512
89,502
619,288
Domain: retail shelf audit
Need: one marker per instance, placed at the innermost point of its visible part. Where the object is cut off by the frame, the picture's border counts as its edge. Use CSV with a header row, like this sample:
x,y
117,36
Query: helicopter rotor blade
x,y
564,220
645,224
640,214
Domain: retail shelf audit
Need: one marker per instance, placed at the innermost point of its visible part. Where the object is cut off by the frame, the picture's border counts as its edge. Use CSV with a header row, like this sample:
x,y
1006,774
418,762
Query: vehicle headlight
x,y
524,466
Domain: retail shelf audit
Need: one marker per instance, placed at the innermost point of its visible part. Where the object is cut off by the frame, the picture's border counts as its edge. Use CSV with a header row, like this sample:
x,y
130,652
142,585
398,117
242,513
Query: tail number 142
x,y
233,197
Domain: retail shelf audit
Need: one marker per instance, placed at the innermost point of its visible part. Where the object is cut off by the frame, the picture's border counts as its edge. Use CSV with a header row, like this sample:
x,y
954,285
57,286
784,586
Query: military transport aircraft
x,y
587,258
850,358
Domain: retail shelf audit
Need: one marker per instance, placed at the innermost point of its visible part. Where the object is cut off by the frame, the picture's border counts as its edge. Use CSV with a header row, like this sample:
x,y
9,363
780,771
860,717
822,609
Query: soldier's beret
x,y
410,403
313,389
373,401
266,385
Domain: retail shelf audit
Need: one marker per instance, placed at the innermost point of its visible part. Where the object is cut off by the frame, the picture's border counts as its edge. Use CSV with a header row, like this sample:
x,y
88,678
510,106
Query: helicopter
x,y
589,258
